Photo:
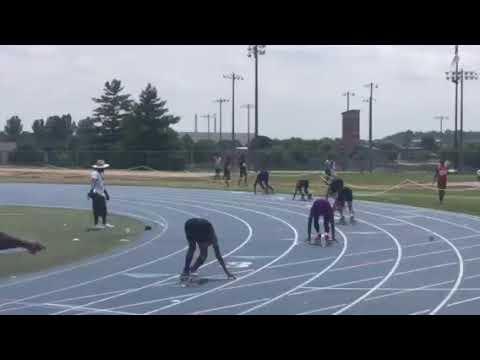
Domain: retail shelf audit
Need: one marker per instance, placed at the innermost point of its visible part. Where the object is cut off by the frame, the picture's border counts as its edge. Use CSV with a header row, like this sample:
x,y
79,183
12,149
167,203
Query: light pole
x,y
233,77
196,123
248,107
455,77
441,118
348,94
214,123
220,101
208,120
370,139
255,51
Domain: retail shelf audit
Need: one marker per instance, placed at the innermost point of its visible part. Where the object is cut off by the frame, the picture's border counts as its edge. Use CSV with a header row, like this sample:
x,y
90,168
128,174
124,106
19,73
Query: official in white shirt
x,y
99,194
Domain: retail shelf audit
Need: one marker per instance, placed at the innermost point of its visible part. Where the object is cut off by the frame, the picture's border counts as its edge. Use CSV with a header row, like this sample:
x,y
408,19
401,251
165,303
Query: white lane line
x,y
463,301
26,305
269,281
385,278
106,276
285,253
316,276
392,224
88,263
152,301
59,301
229,306
421,312
145,275
252,257
149,285
321,309
466,237
363,232
352,254
455,249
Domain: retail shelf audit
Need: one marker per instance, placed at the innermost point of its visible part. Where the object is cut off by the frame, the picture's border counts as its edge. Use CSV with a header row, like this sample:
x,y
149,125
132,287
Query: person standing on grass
x,y
99,195
321,207
218,166
227,171
242,164
441,174
11,242
201,232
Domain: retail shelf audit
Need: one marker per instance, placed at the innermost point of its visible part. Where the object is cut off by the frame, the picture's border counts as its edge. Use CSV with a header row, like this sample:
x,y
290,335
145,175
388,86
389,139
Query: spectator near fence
x,y
217,163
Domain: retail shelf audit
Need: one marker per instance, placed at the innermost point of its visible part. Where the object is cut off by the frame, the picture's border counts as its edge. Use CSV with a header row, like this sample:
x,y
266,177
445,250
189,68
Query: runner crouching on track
x,y
11,242
321,207
201,232
345,196
262,180
441,174
302,188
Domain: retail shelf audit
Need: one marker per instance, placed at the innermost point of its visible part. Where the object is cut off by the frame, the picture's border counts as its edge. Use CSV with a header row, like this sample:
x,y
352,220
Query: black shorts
x,y
199,231
218,171
243,172
345,195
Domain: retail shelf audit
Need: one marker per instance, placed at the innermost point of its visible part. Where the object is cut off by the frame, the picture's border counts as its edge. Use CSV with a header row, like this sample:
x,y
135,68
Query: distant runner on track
x,y
441,174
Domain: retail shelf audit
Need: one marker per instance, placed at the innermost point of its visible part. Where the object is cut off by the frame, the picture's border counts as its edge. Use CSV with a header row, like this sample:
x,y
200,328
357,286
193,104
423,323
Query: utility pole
x,y
196,123
455,77
233,77
214,123
220,101
348,94
248,107
370,125
441,118
255,51
208,120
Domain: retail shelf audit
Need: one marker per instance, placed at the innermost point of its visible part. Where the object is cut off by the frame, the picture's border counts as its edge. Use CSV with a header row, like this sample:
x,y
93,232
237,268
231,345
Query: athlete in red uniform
x,y
441,173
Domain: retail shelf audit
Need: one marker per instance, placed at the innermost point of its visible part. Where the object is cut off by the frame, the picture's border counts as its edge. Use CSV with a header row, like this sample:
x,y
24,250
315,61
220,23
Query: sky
x,y
300,87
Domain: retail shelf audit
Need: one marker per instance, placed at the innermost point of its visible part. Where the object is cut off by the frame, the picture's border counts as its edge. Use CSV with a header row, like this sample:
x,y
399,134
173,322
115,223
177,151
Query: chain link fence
x,y
273,159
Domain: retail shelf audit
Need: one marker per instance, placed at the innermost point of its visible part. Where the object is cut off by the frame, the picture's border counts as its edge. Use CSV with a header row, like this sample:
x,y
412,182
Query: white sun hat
x,y
100,165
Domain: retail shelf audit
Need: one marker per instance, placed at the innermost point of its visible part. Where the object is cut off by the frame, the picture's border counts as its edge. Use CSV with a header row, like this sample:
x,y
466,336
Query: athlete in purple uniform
x,y
321,207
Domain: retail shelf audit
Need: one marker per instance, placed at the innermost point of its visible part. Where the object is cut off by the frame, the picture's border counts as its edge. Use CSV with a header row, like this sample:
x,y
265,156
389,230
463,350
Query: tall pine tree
x,y
113,108
148,125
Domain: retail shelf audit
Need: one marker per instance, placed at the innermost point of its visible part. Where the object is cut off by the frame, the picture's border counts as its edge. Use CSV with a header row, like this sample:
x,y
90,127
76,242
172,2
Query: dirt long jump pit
x,y
75,176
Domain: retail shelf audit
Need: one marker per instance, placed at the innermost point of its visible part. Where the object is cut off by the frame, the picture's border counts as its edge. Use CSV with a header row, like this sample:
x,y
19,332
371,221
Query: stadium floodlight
x,y
254,51
348,94
233,77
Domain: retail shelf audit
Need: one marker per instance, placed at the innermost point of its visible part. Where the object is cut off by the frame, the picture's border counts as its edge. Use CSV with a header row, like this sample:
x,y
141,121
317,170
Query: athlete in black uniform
x,y
302,188
345,196
11,242
242,164
334,187
201,232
